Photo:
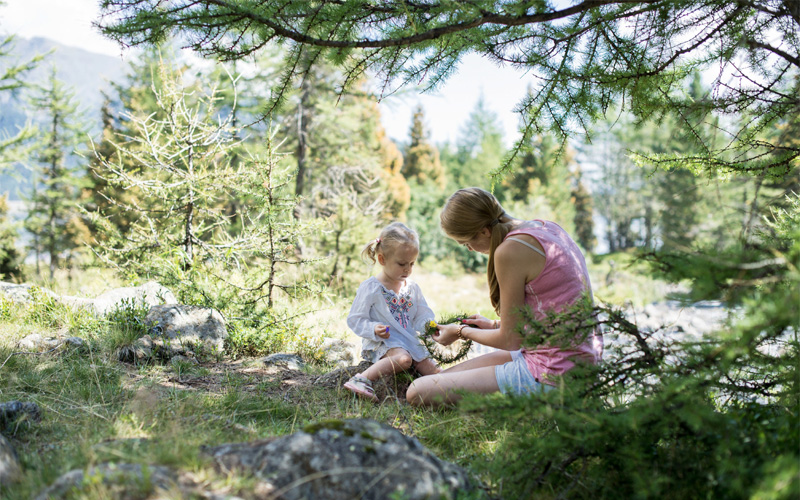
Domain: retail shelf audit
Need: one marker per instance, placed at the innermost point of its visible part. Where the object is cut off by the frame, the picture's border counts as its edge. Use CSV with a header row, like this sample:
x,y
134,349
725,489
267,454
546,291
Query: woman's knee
x,y
414,394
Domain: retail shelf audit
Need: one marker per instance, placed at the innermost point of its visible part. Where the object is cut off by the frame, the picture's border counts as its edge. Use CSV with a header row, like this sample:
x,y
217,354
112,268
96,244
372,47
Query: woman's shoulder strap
x,y
532,247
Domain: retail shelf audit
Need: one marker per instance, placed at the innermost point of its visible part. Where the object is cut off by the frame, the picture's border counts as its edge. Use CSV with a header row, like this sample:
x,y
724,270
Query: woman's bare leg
x,y
444,388
475,375
491,359
395,360
427,367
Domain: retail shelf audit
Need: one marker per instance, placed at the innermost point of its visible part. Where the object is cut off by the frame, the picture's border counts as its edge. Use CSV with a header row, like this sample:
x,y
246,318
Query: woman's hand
x,y
382,331
447,334
481,322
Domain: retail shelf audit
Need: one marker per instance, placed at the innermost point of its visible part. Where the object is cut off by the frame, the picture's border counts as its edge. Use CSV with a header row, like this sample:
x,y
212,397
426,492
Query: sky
x,y
69,22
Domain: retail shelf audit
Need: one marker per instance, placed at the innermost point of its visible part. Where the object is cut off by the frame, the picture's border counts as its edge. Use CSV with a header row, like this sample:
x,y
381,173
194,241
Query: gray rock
x,y
149,294
285,360
10,469
338,353
118,478
19,294
37,343
75,343
14,413
179,329
31,342
345,459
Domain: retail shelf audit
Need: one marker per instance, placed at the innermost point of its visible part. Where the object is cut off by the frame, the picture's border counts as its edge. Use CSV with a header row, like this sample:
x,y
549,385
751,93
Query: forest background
x,y
251,187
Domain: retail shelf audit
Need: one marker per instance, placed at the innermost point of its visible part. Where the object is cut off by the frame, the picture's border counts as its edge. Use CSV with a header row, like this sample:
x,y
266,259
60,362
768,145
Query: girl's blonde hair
x,y
468,211
391,237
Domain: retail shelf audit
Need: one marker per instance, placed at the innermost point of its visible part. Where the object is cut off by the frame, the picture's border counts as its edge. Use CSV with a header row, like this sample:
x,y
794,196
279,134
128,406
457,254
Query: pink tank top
x,y
563,281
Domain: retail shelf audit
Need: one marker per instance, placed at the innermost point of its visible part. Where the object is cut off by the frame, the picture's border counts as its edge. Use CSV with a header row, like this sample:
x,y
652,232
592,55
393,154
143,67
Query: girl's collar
x,y
403,288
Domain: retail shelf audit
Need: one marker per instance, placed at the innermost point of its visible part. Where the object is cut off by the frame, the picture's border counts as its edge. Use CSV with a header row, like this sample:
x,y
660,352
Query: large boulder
x,y
10,469
148,294
185,330
21,294
338,353
344,459
15,413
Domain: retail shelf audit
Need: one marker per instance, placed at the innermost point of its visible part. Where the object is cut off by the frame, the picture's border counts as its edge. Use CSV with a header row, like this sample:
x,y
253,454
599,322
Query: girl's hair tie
x,y
377,240
494,222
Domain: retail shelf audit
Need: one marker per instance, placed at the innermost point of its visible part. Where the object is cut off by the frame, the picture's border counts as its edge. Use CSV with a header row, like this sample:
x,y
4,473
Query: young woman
x,y
533,264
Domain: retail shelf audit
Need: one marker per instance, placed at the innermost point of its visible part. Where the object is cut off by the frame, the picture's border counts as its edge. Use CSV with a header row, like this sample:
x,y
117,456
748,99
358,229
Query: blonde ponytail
x,y
465,214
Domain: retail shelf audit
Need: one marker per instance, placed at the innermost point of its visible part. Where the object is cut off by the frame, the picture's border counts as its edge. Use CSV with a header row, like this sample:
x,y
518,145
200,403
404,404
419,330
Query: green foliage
x,y
260,336
126,323
6,308
12,78
660,417
45,310
421,159
584,212
437,249
445,356
479,150
10,257
585,57
53,217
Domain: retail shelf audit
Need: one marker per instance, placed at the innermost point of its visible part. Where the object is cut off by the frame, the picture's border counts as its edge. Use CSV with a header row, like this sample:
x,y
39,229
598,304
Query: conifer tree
x,y
177,160
584,213
421,160
130,100
478,151
10,257
53,216
542,179
585,56
11,81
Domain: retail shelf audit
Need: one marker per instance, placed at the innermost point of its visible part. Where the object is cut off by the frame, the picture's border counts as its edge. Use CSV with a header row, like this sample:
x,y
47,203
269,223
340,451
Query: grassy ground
x,y
97,409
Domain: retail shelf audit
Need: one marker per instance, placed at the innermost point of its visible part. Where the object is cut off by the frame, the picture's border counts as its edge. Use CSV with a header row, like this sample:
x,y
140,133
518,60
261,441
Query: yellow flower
x,y
431,324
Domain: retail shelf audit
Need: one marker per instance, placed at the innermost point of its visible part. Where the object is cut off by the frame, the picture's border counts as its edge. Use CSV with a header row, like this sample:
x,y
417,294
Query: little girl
x,y
389,310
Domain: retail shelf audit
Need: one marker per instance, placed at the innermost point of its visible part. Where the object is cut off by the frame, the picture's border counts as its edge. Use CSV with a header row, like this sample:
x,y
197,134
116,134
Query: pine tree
x,y
177,160
131,100
540,183
479,149
10,257
421,160
53,216
11,81
584,213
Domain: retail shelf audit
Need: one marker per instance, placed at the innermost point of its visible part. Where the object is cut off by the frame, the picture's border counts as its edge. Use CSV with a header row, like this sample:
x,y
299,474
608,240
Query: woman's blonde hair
x,y
391,237
465,214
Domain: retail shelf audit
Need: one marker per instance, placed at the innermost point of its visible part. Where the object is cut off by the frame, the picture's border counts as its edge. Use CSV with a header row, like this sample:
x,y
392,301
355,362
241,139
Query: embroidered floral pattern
x,y
399,305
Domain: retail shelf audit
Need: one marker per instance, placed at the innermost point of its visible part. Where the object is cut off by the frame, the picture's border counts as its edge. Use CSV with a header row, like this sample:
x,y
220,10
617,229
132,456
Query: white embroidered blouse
x,y
406,313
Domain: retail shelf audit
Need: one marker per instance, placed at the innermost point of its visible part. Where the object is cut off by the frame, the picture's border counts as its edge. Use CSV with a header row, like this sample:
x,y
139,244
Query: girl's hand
x,y
446,334
382,331
481,322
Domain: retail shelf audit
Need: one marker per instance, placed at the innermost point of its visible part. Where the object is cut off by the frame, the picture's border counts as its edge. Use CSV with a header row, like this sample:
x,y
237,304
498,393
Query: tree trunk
x,y
303,123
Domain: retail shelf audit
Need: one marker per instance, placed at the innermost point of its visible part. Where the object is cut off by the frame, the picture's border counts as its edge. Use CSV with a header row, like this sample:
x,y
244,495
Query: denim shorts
x,y
514,377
